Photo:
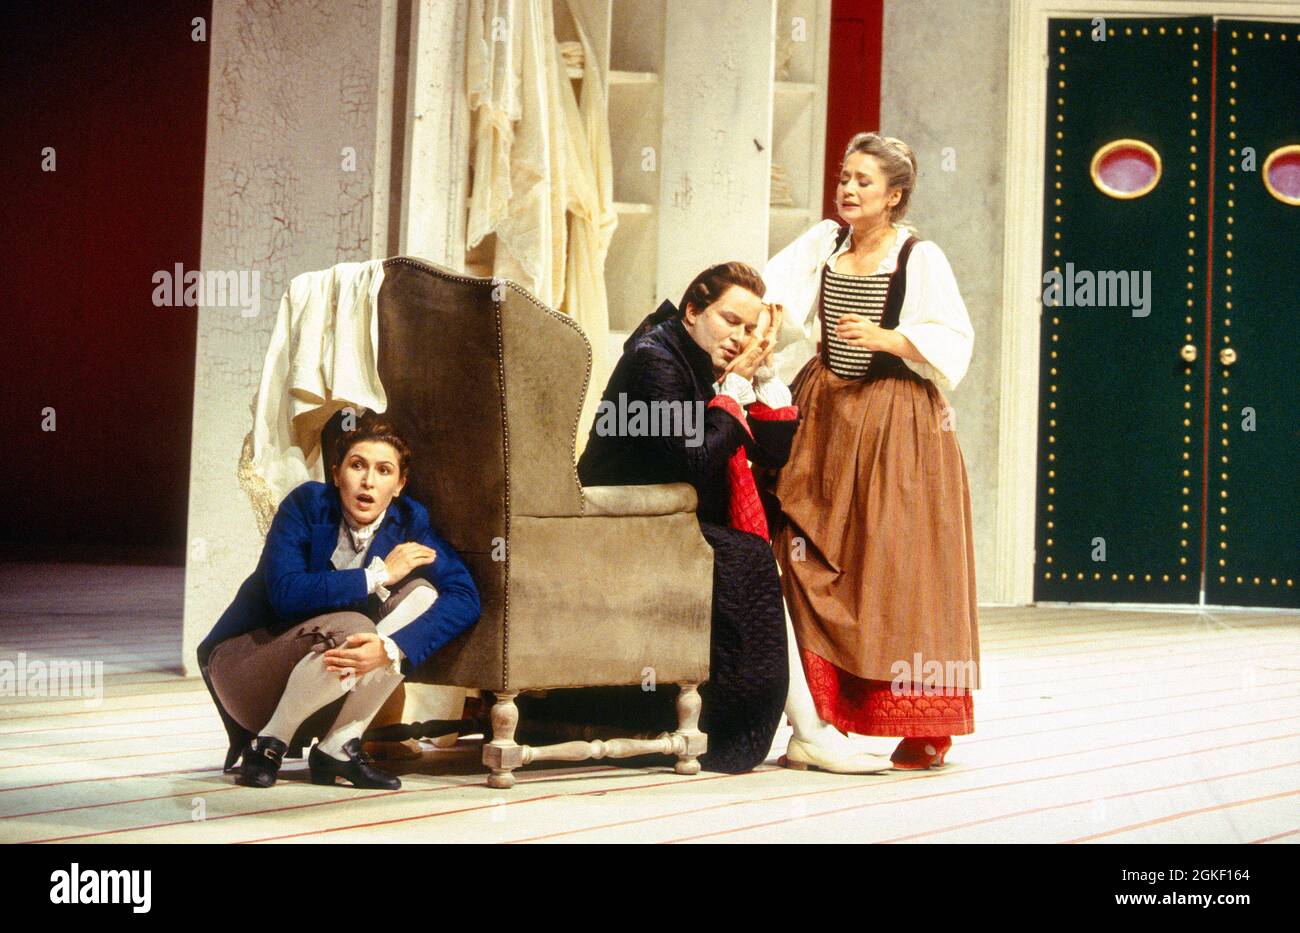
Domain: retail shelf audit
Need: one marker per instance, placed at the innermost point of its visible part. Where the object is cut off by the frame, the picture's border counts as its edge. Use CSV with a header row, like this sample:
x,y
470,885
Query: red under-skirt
x,y
876,707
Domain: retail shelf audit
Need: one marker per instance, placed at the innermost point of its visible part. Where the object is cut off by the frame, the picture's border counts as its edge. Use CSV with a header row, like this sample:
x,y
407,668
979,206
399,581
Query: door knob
x,y
1188,353
1227,356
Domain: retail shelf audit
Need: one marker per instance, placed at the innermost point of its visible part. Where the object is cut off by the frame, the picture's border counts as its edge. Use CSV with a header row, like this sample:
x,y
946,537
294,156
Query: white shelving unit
x,y
799,93
696,117
629,43
635,101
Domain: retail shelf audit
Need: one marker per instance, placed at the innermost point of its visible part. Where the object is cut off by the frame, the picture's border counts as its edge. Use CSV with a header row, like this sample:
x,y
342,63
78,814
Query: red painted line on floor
x,y
86,761
1275,836
1218,661
1145,700
974,741
926,776
93,651
1112,722
111,738
938,774
1115,656
207,701
122,685
1182,816
120,691
113,777
999,738
524,779
151,663
1018,654
1009,679
1009,695
10,641
1085,801
119,777
88,626
1033,653
163,735
697,779
105,725
118,803
227,816
1194,624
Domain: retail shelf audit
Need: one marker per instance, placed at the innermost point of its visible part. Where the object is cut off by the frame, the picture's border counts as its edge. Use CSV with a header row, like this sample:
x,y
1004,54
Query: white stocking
x,y
367,696
799,705
310,687
372,690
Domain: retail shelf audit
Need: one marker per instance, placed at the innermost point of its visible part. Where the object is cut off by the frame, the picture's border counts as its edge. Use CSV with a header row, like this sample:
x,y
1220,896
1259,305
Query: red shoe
x,y
920,754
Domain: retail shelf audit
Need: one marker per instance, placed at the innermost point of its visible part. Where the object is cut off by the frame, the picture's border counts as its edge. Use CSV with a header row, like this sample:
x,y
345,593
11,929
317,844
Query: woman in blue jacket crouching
x,y
354,590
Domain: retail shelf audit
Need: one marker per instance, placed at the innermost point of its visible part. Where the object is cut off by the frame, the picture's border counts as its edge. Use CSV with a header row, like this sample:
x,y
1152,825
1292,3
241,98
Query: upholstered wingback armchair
x,y
486,384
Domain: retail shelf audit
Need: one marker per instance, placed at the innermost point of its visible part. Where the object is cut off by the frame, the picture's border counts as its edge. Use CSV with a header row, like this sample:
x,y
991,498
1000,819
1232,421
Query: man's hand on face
x,y
761,344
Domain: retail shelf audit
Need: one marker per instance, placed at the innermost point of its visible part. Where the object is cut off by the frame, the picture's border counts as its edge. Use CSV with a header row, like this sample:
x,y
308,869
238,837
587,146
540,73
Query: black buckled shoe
x,y
358,769
261,762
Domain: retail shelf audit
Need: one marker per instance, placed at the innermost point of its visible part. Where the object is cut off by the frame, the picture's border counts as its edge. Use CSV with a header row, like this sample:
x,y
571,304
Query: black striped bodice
x,y
850,294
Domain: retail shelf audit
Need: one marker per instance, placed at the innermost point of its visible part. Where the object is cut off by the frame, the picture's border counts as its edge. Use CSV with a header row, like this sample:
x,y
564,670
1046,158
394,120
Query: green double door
x,y
1169,415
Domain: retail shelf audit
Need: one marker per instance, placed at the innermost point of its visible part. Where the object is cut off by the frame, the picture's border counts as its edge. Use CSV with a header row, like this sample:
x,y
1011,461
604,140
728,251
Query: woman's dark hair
x,y
373,427
708,286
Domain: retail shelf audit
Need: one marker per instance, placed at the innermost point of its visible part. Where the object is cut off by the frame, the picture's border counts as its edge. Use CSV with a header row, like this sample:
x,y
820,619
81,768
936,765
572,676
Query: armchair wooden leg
x,y
503,754
695,742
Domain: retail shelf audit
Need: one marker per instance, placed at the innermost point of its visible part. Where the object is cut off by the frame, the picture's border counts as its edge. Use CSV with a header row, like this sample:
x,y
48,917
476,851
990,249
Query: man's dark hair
x,y
708,286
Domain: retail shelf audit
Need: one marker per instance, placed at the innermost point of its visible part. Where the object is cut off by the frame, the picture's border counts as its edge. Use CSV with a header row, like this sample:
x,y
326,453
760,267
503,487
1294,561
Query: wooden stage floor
x,y
1095,725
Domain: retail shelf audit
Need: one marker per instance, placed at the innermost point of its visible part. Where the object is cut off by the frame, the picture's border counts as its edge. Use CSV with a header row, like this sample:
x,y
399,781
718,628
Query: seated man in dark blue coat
x,y
316,622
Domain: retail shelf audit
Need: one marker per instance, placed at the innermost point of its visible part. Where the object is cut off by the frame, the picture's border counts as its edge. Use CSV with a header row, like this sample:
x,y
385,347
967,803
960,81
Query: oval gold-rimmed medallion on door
x,y
1126,168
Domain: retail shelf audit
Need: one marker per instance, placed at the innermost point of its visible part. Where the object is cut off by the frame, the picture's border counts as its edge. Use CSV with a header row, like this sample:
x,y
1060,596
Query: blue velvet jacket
x,y
295,581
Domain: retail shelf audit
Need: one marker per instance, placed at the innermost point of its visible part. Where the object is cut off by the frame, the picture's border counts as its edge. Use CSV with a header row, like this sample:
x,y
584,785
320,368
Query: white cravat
x,y
350,552
361,534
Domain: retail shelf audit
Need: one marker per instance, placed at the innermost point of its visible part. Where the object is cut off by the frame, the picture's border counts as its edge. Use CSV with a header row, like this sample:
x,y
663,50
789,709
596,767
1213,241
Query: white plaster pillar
x,y
305,107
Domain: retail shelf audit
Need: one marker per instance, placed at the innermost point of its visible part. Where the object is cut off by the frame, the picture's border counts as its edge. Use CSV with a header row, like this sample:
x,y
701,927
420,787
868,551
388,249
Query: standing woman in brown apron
x,y
876,549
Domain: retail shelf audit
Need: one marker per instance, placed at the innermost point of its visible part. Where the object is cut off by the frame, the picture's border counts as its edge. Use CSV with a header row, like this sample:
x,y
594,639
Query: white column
x,y
298,177
435,179
715,157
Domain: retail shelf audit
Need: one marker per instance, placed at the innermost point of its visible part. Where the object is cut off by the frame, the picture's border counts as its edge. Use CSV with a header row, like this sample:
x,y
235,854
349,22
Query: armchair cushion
x,y
666,499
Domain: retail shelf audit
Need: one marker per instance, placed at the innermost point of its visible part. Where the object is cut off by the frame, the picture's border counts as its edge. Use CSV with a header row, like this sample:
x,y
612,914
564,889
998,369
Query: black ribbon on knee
x,y
321,641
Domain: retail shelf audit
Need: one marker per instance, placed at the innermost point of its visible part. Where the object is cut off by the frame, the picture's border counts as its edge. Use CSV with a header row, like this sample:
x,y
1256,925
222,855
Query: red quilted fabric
x,y
873,707
745,509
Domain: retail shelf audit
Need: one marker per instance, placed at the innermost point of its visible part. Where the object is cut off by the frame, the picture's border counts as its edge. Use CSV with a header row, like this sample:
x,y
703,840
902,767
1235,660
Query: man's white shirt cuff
x,y
770,390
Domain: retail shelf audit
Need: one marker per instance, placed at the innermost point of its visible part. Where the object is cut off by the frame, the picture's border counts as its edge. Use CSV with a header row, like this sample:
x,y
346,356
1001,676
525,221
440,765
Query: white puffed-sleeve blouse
x,y
933,315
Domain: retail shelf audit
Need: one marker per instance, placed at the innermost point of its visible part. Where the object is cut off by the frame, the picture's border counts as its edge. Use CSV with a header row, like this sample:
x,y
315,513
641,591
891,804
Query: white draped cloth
x,y
592,221
323,356
933,316
543,172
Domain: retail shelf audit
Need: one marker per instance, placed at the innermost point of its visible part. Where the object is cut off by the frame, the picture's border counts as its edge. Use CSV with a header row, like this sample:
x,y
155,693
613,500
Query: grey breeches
x,y
250,672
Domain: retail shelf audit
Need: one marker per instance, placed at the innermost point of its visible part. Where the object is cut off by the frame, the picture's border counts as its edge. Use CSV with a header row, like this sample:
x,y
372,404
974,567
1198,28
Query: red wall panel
x,y
853,103
119,90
